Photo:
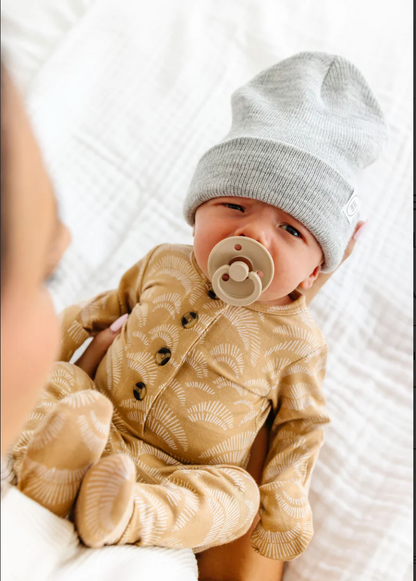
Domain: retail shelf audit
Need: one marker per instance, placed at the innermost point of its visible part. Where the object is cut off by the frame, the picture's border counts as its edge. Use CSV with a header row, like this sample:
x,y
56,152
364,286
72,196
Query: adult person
x,y
33,240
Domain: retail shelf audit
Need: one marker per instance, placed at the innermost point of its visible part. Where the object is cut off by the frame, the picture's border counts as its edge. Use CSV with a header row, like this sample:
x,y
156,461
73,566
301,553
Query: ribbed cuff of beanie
x,y
283,176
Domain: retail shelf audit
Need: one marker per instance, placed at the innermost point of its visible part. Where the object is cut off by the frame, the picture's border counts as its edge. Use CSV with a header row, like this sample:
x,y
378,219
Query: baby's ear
x,y
308,282
193,230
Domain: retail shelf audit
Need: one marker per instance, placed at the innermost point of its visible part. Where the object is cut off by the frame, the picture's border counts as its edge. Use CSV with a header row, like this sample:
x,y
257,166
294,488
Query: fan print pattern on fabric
x,y
189,400
68,441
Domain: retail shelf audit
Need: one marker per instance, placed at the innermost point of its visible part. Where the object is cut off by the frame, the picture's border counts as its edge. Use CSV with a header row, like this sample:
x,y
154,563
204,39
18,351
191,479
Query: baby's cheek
x,y
279,279
284,282
201,253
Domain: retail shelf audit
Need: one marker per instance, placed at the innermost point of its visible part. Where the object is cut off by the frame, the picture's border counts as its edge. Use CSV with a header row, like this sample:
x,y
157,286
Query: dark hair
x,y
3,177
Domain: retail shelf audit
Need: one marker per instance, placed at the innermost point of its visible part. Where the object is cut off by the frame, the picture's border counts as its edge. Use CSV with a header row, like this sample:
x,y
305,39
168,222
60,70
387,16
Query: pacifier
x,y
240,269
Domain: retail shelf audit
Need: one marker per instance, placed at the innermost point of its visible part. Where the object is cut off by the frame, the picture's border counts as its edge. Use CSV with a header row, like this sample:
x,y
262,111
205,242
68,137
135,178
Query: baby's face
x,y
296,254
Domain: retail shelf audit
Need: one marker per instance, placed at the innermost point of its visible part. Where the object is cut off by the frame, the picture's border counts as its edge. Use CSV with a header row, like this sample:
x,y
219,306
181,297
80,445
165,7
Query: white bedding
x,y
126,96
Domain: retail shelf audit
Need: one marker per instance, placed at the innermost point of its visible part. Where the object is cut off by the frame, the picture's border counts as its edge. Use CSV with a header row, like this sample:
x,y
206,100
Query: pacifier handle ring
x,y
222,294
258,288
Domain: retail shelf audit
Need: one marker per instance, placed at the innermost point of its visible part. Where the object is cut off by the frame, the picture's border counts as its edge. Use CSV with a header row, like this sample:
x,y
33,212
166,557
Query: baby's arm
x,y
285,529
84,320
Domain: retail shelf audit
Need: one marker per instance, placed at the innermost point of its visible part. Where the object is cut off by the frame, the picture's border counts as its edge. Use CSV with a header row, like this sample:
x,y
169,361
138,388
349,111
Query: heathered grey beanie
x,y
301,131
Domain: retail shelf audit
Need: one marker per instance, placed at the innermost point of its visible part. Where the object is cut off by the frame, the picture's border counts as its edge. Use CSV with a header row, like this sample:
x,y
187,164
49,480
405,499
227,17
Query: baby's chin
x,y
274,295
273,300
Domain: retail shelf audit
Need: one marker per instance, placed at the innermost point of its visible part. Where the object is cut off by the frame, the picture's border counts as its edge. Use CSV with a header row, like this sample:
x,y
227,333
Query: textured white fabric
x,y
130,97
22,521
36,545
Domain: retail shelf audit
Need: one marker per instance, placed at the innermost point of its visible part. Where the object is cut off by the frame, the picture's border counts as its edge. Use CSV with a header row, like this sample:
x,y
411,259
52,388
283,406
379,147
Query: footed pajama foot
x,y
69,440
106,501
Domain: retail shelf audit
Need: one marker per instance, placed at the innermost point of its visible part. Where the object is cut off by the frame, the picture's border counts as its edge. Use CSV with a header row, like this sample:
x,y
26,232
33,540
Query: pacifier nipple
x,y
240,269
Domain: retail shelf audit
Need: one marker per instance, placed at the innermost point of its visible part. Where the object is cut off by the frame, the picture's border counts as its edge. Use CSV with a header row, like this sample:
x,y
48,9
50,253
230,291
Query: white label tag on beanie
x,y
351,207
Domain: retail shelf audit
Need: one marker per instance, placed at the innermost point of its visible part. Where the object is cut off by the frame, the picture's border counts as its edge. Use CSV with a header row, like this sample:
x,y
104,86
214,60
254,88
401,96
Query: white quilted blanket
x,y
125,98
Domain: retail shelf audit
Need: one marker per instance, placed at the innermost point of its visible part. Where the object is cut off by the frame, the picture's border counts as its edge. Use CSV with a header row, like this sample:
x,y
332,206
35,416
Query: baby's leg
x,y
69,438
195,506
63,380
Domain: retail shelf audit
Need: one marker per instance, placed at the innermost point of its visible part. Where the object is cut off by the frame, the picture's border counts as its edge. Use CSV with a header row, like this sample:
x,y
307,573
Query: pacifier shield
x,y
239,258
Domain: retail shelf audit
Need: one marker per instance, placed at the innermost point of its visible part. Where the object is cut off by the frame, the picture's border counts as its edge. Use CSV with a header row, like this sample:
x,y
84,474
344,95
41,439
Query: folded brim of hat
x,y
285,177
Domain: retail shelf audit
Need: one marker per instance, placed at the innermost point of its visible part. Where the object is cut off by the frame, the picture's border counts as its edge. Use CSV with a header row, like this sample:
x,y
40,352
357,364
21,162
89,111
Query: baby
x,y
154,450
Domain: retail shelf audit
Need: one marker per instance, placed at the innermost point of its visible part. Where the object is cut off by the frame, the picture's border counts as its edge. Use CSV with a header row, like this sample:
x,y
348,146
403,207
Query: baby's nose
x,y
254,234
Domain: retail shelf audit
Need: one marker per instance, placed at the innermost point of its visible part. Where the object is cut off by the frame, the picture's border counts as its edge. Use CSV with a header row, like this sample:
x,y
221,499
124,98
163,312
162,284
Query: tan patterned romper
x,y
192,381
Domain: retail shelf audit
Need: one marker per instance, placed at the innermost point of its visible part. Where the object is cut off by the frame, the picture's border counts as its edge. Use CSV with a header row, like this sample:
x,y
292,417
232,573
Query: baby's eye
x,y
234,206
291,230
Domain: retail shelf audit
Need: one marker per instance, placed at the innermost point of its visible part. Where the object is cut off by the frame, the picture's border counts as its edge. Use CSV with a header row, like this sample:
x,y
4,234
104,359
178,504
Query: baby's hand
x,y
91,358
